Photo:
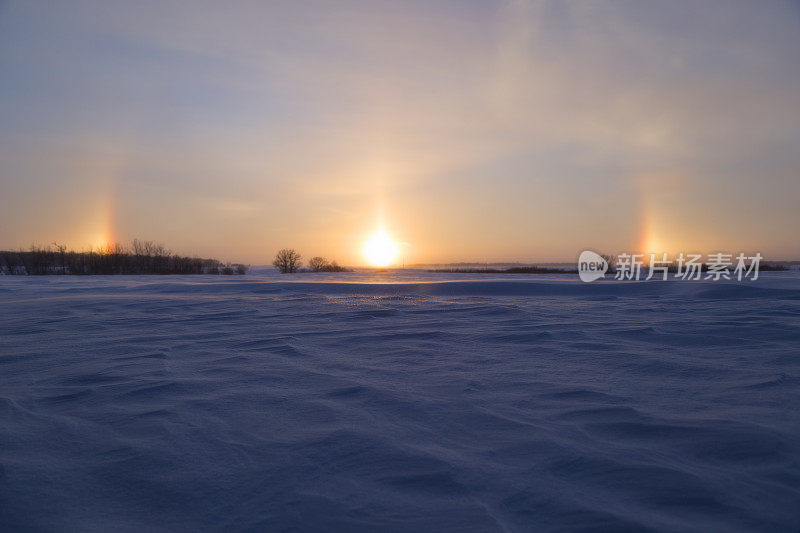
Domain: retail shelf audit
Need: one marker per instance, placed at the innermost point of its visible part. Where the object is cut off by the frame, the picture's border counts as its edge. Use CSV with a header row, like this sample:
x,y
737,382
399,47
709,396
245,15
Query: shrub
x,y
317,264
334,267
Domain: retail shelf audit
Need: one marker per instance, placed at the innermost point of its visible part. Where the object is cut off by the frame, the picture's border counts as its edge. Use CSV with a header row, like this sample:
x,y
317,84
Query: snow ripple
x,y
257,403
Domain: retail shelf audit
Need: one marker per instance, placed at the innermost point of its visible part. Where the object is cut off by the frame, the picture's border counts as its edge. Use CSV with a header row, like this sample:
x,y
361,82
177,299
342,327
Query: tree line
x,y
141,257
289,261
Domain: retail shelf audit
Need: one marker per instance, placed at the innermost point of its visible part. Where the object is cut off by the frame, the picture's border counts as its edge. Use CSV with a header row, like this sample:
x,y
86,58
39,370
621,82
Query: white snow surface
x,y
398,401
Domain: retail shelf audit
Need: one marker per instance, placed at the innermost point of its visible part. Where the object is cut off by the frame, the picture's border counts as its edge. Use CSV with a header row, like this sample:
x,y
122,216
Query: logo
x,y
591,266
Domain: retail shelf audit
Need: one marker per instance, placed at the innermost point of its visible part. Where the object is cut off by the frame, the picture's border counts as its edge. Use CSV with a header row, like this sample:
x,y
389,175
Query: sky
x,y
468,130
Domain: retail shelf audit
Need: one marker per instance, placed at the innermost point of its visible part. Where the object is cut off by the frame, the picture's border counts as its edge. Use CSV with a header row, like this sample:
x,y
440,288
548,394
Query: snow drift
x,y
398,401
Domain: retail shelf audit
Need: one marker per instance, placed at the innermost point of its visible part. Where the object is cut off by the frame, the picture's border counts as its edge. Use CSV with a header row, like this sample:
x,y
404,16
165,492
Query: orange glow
x,y
104,238
651,244
380,249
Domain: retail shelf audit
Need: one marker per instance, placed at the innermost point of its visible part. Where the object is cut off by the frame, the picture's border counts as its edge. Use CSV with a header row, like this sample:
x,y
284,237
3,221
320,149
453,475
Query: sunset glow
x,y
407,265
381,250
534,146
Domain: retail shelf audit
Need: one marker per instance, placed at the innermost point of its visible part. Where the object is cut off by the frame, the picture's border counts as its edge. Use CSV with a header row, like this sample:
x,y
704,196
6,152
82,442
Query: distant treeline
x,y
142,257
671,268
512,270
675,268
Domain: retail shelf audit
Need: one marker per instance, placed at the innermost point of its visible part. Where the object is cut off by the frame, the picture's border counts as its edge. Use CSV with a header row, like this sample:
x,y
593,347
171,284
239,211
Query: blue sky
x,y
469,130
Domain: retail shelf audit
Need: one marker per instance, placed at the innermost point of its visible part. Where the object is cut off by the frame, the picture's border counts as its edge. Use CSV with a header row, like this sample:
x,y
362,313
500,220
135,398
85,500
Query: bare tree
x,y
317,264
287,261
61,249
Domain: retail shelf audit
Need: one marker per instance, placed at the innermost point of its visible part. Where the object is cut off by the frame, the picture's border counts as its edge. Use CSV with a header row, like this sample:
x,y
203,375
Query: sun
x,y
380,250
